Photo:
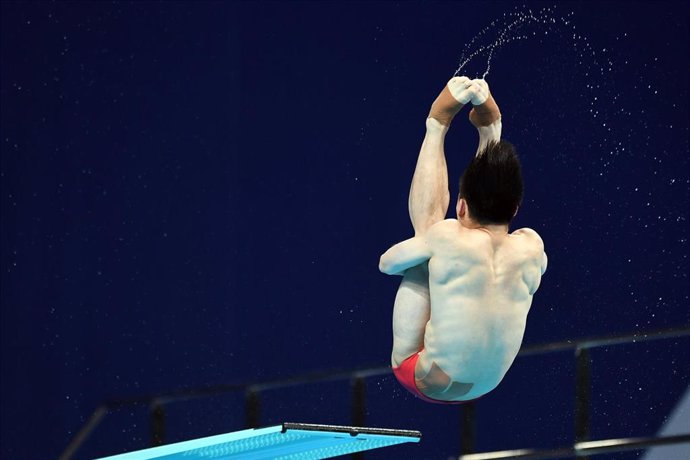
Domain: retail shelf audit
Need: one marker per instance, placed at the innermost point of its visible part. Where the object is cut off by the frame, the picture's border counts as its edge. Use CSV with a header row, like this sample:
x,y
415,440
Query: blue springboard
x,y
289,441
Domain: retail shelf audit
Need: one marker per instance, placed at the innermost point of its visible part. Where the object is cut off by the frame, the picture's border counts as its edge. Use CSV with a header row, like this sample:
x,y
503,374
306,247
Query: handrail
x,y
601,341
581,449
335,375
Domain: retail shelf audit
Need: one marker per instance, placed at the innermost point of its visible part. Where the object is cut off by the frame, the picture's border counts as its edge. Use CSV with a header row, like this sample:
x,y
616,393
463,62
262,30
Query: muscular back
x,y
481,287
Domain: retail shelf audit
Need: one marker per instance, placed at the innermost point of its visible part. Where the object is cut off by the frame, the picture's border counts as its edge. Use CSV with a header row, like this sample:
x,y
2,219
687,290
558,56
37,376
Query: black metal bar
x,y
176,396
468,430
324,376
252,404
582,449
329,376
583,390
157,424
593,342
619,445
359,409
359,394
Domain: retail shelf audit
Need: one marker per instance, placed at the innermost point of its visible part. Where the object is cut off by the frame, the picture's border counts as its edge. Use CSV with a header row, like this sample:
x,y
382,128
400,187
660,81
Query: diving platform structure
x,y
308,439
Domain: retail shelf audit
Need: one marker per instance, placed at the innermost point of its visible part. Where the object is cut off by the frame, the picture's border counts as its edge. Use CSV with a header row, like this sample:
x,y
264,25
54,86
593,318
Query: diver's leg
x,y
428,204
411,312
429,196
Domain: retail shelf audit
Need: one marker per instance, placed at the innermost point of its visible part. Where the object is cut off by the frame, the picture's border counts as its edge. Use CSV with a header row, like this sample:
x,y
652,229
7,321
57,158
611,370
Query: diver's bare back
x,y
481,287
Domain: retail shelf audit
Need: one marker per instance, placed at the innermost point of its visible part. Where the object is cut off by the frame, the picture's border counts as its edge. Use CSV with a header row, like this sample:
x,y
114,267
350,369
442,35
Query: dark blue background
x,y
198,193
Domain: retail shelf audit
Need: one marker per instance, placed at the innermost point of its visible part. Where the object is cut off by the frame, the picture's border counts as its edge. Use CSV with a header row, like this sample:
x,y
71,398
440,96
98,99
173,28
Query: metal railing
x,y
582,446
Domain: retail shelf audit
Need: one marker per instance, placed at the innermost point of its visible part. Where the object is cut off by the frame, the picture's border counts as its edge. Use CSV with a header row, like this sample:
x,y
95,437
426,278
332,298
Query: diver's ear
x,y
461,207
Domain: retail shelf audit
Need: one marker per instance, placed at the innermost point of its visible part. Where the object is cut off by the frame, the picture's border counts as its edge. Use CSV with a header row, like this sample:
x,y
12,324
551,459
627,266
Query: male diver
x,y
461,309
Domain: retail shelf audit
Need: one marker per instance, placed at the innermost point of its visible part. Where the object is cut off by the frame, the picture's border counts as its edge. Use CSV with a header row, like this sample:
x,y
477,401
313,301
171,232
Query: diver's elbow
x,y
388,268
384,266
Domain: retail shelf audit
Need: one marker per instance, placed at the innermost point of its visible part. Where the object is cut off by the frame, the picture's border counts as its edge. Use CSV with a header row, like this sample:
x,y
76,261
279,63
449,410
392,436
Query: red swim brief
x,y
405,375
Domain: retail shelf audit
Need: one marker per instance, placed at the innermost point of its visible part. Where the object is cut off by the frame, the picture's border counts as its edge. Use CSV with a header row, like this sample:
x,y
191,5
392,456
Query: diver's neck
x,y
497,230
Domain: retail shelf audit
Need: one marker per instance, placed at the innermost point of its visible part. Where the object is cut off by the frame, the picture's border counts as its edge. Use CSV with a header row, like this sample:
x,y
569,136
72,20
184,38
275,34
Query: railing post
x,y
359,394
583,390
468,428
98,415
157,424
252,408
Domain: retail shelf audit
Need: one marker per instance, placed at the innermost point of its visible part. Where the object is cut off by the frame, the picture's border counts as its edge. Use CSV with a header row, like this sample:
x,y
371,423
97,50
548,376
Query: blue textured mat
x,y
289,441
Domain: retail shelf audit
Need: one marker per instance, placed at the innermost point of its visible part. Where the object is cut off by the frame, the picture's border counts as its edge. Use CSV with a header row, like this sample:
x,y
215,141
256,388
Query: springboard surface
x,y
289,441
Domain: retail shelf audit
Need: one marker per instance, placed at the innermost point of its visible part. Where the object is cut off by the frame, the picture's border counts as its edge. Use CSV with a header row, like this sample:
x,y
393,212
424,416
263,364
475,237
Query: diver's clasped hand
x,y
465,90
458,92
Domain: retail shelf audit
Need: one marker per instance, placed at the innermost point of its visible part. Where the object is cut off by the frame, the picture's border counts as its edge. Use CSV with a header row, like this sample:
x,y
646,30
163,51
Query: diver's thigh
x,y
411,312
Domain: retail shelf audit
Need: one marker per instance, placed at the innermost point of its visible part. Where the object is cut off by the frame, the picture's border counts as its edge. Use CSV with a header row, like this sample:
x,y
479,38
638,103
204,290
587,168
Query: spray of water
x,y
612,124
520,24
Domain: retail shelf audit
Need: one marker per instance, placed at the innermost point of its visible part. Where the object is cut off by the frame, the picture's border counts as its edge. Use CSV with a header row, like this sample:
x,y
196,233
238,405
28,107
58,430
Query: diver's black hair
x,y
492,184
